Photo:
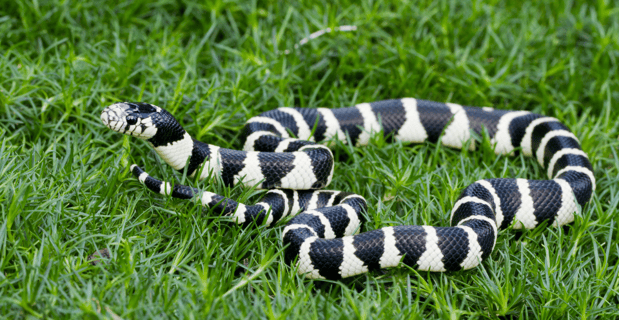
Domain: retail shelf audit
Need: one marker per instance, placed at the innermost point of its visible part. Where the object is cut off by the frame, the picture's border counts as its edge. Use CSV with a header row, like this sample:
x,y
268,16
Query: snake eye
x,y
131,120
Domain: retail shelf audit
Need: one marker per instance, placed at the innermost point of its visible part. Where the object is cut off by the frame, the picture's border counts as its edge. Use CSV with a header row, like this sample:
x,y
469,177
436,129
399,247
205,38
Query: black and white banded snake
x,y
319,238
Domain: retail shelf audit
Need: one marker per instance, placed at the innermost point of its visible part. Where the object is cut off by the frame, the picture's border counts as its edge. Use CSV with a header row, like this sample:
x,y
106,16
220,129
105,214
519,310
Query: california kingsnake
x,y
320,239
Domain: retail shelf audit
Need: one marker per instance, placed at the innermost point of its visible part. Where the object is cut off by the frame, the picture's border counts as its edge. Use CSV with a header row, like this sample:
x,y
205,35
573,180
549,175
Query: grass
x,y
66,190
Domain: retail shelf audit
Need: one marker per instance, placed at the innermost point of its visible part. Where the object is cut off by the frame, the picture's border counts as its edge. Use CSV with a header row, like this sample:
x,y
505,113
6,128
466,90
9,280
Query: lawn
x,y
65,188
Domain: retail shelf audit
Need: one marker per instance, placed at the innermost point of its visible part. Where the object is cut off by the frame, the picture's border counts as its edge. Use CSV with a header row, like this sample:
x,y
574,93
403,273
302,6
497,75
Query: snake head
x,y
134,119
142,120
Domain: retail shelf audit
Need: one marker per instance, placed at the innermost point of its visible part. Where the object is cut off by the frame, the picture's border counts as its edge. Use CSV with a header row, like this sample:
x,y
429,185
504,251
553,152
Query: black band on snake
x,y
282,153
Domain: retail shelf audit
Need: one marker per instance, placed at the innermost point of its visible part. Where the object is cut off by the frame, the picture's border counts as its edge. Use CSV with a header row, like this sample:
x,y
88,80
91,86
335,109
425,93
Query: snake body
x,y
283,153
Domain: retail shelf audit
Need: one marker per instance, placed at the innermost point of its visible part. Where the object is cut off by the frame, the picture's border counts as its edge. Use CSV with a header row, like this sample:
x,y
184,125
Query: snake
x,y
287,151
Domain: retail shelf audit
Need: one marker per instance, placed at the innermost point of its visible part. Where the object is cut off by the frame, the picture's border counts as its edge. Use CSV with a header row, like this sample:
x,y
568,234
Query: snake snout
x,y
109,115
105,117
114,116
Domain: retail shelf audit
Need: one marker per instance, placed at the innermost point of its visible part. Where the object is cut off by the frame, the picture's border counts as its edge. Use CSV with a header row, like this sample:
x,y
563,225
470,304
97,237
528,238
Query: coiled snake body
x,y
282,154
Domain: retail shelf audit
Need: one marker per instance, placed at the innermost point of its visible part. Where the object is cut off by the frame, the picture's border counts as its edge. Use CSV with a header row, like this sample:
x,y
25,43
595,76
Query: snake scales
x,y
283,154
